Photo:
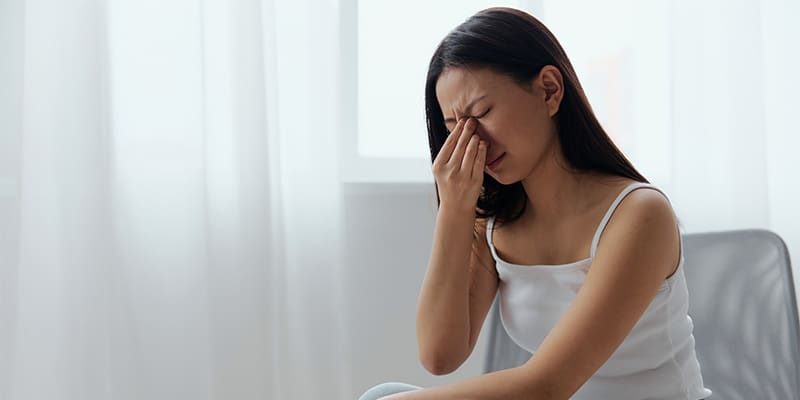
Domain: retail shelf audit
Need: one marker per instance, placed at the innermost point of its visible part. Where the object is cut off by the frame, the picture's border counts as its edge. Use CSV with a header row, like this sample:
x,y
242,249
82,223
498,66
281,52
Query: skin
x,y
639,248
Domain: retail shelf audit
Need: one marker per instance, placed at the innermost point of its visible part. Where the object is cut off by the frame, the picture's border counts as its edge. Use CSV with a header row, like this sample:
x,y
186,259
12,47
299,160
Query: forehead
x,y
457,86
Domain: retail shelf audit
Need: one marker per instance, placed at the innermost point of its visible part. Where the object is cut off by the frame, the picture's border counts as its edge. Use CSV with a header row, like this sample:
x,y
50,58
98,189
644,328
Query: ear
x,y
550,84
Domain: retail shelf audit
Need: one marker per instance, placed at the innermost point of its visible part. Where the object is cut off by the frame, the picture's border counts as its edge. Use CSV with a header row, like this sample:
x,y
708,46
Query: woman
x,y
537,202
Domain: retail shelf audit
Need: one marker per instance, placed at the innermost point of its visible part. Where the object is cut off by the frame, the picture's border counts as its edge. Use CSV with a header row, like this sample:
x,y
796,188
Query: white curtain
x,y
734,131
734,139
169,201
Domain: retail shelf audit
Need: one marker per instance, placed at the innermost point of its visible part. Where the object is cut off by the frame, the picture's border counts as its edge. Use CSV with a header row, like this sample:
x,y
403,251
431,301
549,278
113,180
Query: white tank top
x,y
656,360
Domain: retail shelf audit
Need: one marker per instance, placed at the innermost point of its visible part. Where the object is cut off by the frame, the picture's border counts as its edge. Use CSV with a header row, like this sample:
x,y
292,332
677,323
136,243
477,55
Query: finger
x,y
461,146
469,155
450,143
480,160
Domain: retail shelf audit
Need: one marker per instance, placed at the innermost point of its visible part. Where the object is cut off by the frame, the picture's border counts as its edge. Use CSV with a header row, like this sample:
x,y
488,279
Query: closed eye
x,y
478,117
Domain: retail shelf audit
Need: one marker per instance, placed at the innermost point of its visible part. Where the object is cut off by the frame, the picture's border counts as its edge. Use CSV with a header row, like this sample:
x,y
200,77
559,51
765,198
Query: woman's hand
x,y
458,168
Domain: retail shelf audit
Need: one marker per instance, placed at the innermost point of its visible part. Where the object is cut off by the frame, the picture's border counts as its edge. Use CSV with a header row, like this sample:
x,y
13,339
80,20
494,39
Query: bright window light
x,y
395,42
620,50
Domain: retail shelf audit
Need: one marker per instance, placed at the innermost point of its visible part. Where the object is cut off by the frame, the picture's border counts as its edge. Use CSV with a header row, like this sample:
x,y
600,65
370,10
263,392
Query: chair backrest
x,y
744,310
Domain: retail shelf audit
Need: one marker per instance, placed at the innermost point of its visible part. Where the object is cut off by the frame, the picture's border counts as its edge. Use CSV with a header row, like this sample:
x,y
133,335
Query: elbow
x,y
439,365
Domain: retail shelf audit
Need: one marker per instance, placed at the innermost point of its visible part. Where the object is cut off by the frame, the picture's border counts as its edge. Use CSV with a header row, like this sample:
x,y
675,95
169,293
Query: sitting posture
x,y
536,203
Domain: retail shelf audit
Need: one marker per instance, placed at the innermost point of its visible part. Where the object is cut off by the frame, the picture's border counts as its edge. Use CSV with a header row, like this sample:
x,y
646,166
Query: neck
x,y
554,190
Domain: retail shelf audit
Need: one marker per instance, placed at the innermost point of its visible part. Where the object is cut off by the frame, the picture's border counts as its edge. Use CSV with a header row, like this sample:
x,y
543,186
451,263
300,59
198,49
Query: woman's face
x,y
515,121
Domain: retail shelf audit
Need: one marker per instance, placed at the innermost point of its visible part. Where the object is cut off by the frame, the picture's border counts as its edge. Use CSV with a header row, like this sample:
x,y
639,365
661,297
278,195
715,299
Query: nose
x,y
483,135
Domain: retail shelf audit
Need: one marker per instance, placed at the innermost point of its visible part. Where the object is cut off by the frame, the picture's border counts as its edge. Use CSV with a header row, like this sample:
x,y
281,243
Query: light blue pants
x,y
385,389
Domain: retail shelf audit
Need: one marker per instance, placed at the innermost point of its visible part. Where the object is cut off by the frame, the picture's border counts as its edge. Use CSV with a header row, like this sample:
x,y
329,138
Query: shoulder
x,y
642,203
637,202
644,228
646,204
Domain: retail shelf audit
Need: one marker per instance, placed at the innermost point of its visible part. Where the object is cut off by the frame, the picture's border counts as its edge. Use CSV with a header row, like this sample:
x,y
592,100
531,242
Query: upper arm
x,y
483,282
639,249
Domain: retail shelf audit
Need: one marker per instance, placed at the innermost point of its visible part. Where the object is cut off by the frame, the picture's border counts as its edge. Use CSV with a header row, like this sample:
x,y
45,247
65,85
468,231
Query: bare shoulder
x,y
641,200
605,188
649,203
644,224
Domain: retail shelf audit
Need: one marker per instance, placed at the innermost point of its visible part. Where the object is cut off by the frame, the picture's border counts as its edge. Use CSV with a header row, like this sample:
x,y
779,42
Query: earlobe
x,y
554,101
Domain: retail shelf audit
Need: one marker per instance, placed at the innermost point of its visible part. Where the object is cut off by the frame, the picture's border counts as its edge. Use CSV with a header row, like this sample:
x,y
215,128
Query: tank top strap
x,y
489,231
602,226
489,227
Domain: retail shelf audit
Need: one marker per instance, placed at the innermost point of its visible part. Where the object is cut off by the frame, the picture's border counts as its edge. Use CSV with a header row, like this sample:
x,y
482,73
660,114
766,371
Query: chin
x,y
502,180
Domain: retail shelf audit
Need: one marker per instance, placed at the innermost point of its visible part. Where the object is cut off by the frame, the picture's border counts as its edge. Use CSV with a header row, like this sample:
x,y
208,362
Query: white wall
x,y
389,230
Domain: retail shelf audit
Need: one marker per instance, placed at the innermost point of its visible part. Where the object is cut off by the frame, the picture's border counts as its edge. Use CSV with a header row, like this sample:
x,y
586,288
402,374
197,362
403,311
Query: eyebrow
x,y
468,108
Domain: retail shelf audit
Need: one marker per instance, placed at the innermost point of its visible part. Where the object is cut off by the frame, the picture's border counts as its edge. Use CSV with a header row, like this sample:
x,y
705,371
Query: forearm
x,y
442,324
509,384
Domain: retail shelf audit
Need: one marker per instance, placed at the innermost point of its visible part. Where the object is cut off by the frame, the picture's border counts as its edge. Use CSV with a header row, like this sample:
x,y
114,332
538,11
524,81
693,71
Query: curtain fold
x,y
171,202
733,135
58,322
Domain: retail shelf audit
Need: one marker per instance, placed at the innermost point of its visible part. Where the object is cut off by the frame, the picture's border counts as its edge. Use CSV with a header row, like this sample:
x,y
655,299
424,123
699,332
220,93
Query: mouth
x,y
495,162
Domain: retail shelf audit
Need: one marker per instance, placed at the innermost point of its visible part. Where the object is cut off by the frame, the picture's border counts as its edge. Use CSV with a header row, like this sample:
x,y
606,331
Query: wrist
x,y
457,210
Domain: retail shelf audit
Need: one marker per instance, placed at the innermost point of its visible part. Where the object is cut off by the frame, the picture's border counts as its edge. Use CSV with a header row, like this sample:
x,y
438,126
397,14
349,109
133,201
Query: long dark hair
x,y
515,43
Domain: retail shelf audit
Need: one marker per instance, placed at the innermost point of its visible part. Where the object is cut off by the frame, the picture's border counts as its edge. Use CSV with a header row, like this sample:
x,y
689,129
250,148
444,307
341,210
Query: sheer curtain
x,y
169,201
733,135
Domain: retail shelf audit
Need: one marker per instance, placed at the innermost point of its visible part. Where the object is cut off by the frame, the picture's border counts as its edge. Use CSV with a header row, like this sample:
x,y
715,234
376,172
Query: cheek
x,y
495,128
486,131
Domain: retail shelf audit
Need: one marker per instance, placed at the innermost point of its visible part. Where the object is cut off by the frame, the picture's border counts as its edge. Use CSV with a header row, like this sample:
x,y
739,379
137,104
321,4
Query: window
x,y
386,49
619,48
